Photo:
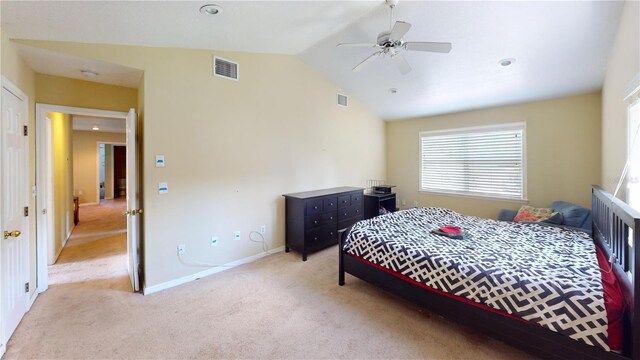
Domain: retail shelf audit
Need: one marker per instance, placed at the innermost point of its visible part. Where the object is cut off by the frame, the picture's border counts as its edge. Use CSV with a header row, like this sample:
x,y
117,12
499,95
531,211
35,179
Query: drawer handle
x,y
345,214
331,218
331,233
315,221
330,204
315,238
315,208
357,211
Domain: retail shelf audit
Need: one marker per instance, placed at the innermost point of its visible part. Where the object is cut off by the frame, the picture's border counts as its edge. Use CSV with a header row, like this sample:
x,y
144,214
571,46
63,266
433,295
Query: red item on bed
x,y
613,301
450,229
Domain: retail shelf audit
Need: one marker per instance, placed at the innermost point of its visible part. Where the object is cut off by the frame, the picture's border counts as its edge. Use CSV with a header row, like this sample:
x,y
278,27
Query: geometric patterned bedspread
x,y
546,275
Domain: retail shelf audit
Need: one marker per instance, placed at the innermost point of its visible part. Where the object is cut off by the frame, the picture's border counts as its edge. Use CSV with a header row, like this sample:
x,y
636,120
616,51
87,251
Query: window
x,y
633,148
482,161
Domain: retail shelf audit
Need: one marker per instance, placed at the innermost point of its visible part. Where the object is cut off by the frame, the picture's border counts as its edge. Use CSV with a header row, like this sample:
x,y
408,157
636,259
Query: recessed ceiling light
x,y
506,62
393,90
95,127
211,9
89,73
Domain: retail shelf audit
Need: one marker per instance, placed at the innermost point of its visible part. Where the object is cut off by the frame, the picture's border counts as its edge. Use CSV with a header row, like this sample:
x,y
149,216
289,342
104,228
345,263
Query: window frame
x,y
477,129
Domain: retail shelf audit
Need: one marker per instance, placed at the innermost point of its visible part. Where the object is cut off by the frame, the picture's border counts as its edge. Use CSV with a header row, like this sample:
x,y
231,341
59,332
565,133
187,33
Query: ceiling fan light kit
x,y
390,43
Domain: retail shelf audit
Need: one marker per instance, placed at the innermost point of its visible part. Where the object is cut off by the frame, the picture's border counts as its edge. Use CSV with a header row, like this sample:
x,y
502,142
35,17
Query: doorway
x,y
86,193
112,171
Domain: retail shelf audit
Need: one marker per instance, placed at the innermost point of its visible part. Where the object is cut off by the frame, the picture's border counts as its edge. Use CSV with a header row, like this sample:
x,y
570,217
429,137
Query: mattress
x,y
545,275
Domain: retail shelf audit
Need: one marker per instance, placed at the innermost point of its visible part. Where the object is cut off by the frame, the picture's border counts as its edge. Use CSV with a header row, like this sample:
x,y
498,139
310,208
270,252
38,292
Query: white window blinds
x,y
484,161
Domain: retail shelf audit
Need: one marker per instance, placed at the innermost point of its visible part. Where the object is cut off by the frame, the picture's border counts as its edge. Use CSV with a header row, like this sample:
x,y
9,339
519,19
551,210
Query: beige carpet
x,y
277,307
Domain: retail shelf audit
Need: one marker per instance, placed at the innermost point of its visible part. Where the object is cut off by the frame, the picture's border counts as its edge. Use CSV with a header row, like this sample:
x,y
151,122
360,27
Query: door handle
x,y
14,233
133,212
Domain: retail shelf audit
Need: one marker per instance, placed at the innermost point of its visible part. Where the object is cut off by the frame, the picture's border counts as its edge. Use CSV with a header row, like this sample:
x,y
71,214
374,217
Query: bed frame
x,y
615,226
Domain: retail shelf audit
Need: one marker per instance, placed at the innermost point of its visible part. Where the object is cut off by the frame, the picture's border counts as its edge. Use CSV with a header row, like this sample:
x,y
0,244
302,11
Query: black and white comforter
x,y
542,274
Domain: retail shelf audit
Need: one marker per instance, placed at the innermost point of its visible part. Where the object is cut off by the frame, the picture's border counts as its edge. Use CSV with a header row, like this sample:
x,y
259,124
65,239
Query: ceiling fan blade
x,y
444,47
357,45
399,29
366,61
401,63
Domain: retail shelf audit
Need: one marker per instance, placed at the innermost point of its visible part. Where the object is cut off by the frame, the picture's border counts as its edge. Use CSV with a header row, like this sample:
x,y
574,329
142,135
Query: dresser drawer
x,y
349,212
322,236
313,221
313,206
329,204
356,198
330,217
344,201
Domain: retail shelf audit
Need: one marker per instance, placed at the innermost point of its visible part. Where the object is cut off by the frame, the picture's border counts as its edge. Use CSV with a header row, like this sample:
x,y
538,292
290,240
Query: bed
x,y
469,280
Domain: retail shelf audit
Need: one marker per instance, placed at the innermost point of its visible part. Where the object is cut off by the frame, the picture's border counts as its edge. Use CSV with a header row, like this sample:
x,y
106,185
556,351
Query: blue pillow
x,y
574,215
557,219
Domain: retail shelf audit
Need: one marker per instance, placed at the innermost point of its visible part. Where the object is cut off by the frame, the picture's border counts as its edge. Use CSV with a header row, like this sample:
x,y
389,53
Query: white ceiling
x,y
561,48
54,63
86,123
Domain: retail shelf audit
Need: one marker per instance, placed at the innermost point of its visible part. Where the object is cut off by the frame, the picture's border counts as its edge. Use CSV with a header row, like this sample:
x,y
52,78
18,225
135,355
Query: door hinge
x,y
26,211
26,287
25,130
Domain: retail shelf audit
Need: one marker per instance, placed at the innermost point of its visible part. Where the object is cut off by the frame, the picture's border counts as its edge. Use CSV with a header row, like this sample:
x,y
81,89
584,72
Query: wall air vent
x,y
225,68
342,100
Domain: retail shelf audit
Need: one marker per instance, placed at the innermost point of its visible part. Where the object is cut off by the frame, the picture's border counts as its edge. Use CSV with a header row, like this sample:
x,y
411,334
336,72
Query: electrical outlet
x,y
404,202
415,204
237,235
214,241
182,248
263,229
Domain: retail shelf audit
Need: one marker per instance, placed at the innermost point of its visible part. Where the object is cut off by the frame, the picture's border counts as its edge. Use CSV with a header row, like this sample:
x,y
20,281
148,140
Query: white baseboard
x,y
210,271
88,204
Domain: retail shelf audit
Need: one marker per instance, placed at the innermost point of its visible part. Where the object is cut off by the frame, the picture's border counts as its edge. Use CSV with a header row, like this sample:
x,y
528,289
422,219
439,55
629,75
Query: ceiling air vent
x,y
225,68
342,100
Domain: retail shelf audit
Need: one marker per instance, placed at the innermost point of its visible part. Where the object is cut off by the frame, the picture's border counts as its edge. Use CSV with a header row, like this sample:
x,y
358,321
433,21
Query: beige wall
x,y
18,72
85,161
624,64
62,155
57,90
233,148
563,152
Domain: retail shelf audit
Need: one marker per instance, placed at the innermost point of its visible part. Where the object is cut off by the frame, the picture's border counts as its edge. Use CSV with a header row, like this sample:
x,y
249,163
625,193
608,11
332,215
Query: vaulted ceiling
x,y
560,48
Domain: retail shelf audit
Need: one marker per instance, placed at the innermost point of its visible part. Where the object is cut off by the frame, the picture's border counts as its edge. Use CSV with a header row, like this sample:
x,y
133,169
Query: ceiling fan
x,y
391,43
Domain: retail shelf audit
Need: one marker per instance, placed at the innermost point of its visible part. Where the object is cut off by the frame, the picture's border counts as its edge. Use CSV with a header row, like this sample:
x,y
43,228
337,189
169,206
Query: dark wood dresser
x,y
314,217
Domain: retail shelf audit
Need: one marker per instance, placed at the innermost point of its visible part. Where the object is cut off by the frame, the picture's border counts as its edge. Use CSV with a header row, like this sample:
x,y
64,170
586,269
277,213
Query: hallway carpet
x,y
274,308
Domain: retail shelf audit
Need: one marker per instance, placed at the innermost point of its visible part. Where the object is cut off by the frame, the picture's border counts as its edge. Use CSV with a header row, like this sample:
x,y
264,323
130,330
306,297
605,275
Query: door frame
x,y
15,90
114,143
44,177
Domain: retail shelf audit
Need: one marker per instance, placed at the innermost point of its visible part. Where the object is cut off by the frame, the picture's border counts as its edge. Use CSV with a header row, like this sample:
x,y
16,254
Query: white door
x,y
133,211
15,225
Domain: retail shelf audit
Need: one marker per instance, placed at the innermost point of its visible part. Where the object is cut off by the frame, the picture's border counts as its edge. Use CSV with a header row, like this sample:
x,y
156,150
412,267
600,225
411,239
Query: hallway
x,y
96,252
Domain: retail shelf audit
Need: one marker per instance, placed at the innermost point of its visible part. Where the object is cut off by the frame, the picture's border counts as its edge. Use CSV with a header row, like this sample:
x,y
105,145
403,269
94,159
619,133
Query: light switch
x,y
163,188
159,160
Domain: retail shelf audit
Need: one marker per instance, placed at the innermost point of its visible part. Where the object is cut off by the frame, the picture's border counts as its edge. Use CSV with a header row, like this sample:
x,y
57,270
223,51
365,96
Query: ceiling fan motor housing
x,y
385,42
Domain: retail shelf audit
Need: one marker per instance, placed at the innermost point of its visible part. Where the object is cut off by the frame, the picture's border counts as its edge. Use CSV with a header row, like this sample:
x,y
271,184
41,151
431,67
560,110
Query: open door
x,y
133,212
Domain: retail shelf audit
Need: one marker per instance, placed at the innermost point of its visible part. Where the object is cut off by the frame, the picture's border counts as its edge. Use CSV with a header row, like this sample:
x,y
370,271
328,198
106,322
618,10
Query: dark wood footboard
x,y
615,225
